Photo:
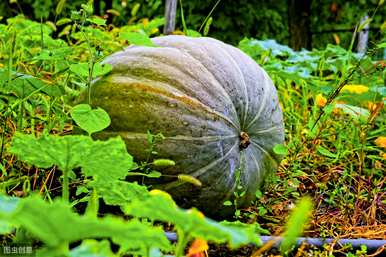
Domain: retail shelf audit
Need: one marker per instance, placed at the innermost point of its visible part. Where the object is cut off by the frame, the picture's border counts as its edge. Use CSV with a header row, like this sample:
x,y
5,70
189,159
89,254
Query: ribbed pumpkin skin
x,y
200,94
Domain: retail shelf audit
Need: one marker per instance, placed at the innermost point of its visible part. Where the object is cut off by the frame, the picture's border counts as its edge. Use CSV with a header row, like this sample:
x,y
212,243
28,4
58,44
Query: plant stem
x,y
65,186
182,242
65,191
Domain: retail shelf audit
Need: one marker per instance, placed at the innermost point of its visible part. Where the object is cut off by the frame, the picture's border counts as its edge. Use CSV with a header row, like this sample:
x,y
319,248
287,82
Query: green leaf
x,y
5,227
296,223
160,206
363,24
90,120
135,9
104,160
280,149
193,33
60,7
83,69
207,26
227,203
8,205
56,223
80,69
24,85
92,248
153,174
325,152
136,38
101,69
120,193
88,8
63,21
107,160
97,20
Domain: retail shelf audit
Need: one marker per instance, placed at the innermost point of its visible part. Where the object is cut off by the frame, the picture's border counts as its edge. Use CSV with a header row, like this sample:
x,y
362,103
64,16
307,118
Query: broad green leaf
x,y
5,227
106,160
91,120
161,207
325,152
56,54
24,85
136,38
193,33
56,223
92,248
296,223
8,205
120,193
101,69
83,69
80,69
280,149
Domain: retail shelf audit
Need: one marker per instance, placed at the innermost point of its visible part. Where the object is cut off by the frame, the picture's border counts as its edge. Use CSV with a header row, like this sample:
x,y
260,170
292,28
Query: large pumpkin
x,y
217,109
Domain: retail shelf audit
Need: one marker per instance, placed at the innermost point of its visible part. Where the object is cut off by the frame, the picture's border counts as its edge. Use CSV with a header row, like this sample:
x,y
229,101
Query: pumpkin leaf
x,y
69,152
50,222
296,223
161,207
92,248
136,38
91,120
5,227
119,193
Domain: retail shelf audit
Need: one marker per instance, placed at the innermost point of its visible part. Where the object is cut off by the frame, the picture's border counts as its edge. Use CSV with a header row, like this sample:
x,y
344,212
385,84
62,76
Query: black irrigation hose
x,y
372,245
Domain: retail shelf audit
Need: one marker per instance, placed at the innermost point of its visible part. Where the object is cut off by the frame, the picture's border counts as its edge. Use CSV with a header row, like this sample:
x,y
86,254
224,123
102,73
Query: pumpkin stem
x,y
244,140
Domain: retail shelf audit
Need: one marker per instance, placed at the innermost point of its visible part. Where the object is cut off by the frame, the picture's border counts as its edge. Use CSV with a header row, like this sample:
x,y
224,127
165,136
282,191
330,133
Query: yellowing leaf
x,y
371,106
160,192
336,38
381,141
320,100
198,248
356,89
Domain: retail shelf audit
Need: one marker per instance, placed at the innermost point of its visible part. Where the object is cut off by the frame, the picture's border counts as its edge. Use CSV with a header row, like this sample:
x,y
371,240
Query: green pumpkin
x,y
218,110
